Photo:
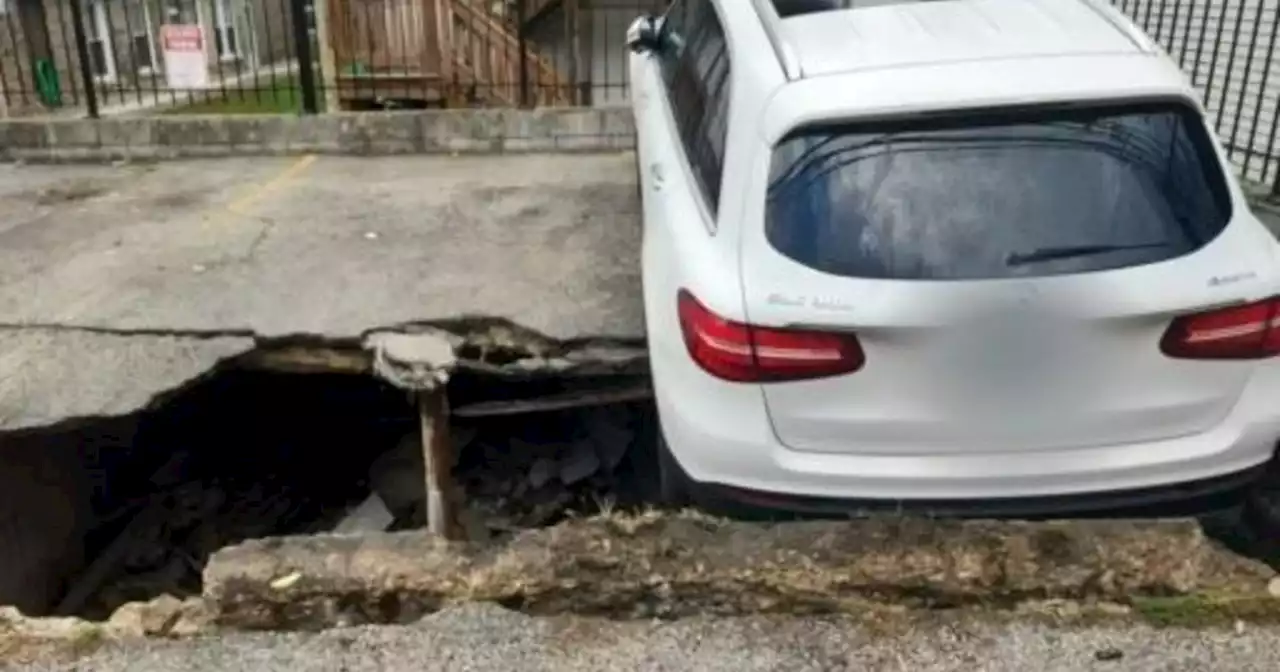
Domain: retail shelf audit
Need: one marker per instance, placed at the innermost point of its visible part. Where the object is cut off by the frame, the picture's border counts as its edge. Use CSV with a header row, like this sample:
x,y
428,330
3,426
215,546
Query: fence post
x,y
328,59
299,9
523,46
82,51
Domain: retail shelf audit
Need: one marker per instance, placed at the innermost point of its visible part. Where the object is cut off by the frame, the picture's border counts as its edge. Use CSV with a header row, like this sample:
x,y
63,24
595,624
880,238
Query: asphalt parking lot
x,y
323,245
120,281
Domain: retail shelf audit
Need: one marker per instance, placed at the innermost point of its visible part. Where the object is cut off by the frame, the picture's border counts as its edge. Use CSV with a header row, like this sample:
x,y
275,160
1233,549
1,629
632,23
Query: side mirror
x,y
645,34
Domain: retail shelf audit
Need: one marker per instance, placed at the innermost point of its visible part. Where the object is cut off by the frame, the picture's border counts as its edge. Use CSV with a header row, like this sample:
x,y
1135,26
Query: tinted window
x,y
993,196
695,67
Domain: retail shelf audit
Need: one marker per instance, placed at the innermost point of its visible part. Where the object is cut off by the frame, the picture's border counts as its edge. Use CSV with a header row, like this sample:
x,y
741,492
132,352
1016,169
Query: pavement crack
x,y
268,226
250,251
128,332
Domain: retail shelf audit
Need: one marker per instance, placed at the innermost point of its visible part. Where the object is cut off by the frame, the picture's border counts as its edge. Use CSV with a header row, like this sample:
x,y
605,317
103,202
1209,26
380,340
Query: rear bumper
x,y
720,435
1172,500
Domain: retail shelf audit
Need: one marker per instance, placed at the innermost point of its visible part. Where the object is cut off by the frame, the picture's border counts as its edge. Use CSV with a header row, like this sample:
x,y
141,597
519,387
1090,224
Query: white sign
x,y
184,60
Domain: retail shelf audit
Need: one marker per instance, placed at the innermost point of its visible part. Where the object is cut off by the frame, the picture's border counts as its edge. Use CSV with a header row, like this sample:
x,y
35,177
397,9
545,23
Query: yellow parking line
x,y
240,205
238,208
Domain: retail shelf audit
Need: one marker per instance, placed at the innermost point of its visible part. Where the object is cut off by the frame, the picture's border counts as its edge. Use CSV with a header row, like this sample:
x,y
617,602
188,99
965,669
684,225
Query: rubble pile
x,y
534,470
165,547
527,470
519,471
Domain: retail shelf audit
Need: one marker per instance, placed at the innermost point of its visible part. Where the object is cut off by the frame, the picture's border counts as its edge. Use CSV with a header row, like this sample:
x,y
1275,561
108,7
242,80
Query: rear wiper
x,y
1067,252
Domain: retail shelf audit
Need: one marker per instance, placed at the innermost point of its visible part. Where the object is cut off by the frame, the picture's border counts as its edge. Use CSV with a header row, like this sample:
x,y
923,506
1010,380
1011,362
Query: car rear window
x,y
998,194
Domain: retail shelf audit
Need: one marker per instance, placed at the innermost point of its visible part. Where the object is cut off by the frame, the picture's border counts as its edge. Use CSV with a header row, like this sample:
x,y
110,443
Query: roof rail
x,y
773,30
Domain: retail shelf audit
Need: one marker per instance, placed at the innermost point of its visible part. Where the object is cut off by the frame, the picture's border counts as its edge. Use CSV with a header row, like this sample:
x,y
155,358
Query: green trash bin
x,y
48,87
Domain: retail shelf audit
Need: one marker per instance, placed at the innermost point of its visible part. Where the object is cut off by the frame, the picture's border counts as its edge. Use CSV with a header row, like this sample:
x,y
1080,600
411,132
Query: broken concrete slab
x,y
371,515
329,247
675,565
51,375
164,616
421,361
24,639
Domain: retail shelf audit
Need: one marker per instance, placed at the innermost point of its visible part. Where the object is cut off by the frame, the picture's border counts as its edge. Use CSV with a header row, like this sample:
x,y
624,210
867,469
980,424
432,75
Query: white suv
x,y
958,252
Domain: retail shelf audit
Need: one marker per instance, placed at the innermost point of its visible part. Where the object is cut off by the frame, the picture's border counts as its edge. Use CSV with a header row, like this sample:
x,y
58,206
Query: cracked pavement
x,y
118,282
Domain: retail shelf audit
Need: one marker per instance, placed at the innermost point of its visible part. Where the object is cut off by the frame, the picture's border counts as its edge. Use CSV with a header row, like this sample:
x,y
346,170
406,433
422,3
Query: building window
x,y
224,27
181,13
98,37
138,22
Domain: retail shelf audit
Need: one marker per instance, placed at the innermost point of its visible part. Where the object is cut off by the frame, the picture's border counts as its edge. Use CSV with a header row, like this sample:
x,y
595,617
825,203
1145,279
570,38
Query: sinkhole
x,y
99,512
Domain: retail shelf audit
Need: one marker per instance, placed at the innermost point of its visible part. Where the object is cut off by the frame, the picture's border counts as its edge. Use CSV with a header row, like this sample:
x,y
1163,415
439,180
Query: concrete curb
x,y
367,134
1260,199
671,566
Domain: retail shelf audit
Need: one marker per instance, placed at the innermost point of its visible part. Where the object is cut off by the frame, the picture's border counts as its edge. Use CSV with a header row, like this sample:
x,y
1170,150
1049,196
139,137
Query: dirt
x,y
675,565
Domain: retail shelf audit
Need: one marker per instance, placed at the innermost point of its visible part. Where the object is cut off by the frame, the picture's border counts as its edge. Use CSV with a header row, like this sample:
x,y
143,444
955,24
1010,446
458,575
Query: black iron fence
x,y
119,56
100,57
1228,49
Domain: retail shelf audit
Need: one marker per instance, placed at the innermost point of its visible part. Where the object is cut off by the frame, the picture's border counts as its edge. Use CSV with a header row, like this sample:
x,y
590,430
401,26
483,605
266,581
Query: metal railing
x,y
107,57
1228,49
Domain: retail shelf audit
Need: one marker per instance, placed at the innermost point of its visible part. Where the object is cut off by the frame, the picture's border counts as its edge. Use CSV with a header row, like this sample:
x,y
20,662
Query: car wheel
x,y
675,488
1262,514
661,480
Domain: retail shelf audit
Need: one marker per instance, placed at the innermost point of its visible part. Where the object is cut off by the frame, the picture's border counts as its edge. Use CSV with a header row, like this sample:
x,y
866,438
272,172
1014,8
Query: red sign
x,y
181,38
185,66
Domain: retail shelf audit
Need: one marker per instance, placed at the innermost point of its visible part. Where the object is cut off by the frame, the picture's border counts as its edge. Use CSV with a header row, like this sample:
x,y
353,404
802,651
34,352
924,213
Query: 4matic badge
x,y
824,303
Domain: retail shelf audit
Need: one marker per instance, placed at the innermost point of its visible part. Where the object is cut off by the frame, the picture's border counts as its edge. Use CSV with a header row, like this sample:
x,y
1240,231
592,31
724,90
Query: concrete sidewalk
x,y
102,266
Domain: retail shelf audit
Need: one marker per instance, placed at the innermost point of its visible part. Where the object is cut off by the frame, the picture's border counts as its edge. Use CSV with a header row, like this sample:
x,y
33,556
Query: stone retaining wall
x,y
421,132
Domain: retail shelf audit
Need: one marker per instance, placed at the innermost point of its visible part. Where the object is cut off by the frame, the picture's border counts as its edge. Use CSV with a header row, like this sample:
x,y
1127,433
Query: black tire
x,y
659,478
675,488
1261,516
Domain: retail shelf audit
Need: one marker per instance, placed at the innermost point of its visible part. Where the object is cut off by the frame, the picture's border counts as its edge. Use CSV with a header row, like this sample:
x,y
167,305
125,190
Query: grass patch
x,y
1189,611
284,99
87,639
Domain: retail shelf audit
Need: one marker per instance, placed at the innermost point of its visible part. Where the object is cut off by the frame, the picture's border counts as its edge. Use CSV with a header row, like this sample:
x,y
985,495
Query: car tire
x,y
675,488
1261,515
662,481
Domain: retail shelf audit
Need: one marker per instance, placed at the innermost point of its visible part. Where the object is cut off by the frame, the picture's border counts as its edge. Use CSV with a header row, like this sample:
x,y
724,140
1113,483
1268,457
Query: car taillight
x,y
745,353
1250,331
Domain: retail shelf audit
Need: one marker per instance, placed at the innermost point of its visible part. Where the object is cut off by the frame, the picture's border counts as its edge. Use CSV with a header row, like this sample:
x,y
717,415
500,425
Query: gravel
x,y
486,637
